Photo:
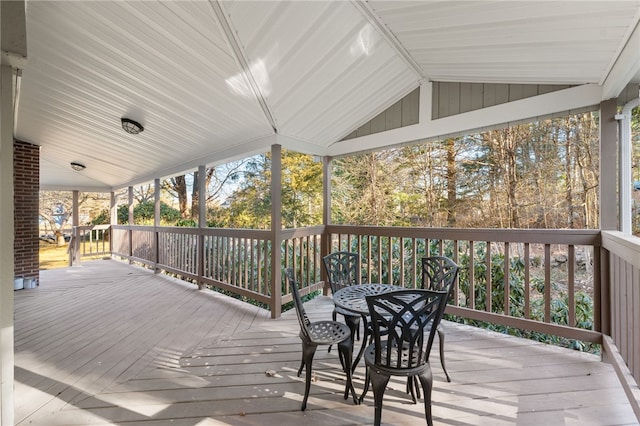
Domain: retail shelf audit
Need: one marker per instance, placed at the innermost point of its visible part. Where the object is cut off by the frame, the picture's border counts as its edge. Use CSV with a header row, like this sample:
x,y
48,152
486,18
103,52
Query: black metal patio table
x,y
353,299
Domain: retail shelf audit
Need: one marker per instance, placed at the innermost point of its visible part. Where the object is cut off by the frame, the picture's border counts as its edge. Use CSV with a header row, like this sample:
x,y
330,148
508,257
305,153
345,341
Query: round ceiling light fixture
x,y
78,167
131,126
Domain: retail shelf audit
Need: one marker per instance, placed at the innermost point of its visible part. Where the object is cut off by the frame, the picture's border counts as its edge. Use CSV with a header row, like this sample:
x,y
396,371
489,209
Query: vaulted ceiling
x,y
212,81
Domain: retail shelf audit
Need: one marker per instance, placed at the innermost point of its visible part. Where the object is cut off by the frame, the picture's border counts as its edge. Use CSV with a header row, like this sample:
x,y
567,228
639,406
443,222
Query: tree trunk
x,y
180,186
451,182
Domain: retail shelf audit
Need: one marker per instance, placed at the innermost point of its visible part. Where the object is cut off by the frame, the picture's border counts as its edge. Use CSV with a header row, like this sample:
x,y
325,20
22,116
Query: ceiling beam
x,y
573,98
239,55
388,36
626,67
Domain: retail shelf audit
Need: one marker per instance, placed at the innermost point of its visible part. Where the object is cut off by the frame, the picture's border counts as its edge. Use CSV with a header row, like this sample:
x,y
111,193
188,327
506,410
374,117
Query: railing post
x,y
276,231
601,291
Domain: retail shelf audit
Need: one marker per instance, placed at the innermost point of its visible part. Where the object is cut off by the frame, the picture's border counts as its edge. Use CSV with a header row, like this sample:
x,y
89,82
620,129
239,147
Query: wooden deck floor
x,y
108,343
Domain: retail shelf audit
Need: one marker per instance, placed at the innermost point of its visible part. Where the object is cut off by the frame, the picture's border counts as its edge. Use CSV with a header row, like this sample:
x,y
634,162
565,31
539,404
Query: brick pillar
x,y
26,184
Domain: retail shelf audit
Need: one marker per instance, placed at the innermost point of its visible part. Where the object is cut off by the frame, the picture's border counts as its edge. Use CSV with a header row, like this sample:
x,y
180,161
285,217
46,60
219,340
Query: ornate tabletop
x,y
353,298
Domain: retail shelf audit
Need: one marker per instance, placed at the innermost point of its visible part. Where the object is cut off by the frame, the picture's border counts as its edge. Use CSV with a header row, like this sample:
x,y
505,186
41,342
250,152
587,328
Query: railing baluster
x,y
401,261
527,282
488,277
456,284
547,283
571,261
507,287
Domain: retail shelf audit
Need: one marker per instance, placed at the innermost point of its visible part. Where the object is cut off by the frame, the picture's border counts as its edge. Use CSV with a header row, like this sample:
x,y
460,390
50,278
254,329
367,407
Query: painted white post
x,y
157,203
624,119
75,222
6,246
276,231
202,222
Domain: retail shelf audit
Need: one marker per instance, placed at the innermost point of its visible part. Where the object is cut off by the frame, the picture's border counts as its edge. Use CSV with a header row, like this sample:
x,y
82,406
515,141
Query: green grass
x,y
53,256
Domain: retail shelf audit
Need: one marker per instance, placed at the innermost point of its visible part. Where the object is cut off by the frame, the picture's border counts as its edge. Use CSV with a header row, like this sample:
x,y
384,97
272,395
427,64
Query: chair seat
x,y
328,332
392,368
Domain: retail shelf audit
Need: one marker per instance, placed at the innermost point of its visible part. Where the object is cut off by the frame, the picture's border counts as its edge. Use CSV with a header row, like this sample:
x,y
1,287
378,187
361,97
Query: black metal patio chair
x,y
343,270
404,325
314,334
439,273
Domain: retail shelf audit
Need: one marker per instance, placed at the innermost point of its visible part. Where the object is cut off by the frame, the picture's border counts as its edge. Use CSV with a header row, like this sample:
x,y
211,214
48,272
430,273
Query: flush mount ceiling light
x,y
131,126
77,166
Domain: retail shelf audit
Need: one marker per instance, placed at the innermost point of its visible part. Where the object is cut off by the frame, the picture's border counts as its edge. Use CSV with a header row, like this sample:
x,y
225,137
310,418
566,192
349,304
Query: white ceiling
x,y
317,71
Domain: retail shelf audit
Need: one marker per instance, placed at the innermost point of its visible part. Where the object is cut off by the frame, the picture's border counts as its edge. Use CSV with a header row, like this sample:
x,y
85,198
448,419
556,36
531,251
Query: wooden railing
x,y
89,242
238,261
622,341
529,272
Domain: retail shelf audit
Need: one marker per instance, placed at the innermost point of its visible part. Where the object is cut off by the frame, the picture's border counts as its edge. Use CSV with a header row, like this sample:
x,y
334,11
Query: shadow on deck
x,y
109,343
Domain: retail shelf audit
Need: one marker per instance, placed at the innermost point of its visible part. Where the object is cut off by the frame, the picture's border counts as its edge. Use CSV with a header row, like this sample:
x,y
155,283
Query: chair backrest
x,y
303,319
343,269
401,321
439,273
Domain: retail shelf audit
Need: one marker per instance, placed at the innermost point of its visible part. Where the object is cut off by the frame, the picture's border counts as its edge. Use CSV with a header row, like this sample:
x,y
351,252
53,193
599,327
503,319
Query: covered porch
x,y
328,79
111,343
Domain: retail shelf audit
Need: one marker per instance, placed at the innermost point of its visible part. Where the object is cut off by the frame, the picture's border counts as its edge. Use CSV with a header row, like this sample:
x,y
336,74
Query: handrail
x,y
515,262
622,345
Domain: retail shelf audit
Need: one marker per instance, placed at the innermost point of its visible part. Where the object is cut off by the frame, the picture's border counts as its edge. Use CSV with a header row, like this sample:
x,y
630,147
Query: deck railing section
x,y
532,274
302,251
238,261
91,241
624,294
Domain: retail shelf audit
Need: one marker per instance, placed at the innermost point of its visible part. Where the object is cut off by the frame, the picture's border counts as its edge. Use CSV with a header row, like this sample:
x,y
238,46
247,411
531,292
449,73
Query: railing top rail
x,y
222,232
623,245
541,236
303,232
92,227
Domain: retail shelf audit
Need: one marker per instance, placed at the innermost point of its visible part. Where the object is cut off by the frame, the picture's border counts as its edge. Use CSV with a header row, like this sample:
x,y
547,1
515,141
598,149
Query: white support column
x,y
113,210
113,218
625,179
157,204
325,241
75,222
131,223
202,222
608,165
276,231
6,246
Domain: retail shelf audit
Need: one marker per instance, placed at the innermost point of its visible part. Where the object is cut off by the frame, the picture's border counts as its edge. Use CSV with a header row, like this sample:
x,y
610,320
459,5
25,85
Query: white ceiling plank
x,y
318,70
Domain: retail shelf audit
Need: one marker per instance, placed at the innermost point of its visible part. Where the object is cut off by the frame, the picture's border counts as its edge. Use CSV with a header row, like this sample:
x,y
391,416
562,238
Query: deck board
x,y
110,343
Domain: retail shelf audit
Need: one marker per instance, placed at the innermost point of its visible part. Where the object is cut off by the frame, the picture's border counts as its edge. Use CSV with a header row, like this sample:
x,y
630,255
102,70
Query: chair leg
x,y
354,325
367,379
426,380
441,339
412,388
346,355
379,383
334,317
308,351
